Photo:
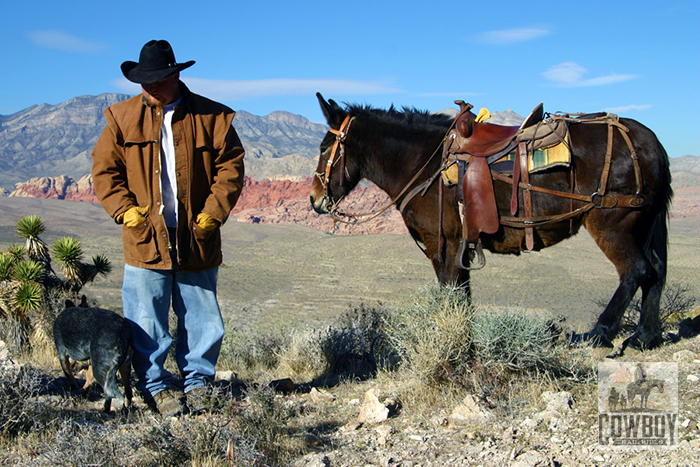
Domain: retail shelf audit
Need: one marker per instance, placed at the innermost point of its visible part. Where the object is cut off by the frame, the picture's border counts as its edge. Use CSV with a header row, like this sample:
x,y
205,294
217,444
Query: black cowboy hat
x,y
156,62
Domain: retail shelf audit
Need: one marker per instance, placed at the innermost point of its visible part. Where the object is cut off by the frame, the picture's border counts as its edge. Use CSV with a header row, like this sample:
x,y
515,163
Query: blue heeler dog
x,y
103,337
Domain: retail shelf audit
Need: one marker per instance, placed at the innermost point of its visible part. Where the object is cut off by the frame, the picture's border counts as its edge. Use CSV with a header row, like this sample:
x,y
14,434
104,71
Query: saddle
x,y
476,145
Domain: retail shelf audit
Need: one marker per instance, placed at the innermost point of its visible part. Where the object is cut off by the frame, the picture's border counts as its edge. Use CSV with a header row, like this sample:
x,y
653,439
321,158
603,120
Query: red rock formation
x,y
57,188
287,202
264,202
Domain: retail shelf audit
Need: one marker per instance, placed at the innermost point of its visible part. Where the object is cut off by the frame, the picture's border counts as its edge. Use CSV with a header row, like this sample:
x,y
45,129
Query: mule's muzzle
x,y
320,204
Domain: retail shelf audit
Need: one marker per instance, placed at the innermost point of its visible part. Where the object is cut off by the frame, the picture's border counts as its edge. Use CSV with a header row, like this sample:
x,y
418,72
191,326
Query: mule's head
x,y
336,174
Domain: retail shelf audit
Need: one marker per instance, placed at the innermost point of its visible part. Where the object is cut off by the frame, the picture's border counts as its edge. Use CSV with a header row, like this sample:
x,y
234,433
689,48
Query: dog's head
x,y
83,303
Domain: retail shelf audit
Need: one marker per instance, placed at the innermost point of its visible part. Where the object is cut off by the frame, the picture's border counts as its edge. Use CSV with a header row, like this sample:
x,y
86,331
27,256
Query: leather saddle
x,y
478,145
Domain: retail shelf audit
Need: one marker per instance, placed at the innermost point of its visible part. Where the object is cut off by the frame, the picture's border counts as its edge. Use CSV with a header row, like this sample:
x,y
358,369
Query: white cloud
x,y
570,75
513,36
59,40
232,90
627,108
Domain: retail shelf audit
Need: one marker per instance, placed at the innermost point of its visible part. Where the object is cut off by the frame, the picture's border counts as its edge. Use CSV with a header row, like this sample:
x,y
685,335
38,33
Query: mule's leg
x,y
621,245
649,333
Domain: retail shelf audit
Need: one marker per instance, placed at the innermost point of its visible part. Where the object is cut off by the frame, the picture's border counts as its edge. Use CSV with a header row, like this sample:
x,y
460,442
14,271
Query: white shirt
x,y
168,179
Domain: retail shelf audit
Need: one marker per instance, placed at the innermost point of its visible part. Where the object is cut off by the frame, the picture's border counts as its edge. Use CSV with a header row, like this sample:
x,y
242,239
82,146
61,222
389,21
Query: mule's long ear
x,y
332,111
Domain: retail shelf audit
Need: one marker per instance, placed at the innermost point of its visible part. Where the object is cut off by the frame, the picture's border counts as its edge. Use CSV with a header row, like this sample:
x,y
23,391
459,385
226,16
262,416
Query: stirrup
x,y
475,252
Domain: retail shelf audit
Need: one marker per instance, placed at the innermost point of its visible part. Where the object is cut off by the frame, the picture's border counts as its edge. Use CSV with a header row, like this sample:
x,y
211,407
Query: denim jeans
x,y
147,295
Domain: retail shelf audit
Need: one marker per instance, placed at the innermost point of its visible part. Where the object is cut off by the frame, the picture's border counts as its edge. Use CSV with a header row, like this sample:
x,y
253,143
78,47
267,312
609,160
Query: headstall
x,y
338,147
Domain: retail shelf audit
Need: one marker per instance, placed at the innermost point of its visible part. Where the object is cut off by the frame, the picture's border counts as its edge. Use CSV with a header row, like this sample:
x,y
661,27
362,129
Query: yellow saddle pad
x,y
544,158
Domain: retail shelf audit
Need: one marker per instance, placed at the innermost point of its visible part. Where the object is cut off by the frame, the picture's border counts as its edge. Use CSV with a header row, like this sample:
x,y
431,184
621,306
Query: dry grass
x,y
285,293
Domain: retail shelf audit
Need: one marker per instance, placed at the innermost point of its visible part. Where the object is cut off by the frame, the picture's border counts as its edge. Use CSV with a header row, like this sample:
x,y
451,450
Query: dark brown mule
x,y
390,147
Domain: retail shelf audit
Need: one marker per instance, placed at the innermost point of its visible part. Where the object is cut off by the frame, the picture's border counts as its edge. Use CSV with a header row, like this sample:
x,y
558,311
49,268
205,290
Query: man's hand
x,y
134,217
206,222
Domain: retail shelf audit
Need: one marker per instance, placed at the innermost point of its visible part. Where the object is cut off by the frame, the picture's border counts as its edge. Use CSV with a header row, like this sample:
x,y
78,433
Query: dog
x,y
102,336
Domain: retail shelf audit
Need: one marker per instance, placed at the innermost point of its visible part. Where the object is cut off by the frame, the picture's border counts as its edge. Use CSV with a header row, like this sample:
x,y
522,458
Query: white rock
x,y
373,411
470,411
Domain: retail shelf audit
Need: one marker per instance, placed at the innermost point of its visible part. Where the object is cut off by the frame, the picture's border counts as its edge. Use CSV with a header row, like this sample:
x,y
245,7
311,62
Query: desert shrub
x,y
350,348
74,444
20,410
302,357
261,429
433,335
514,339
252,351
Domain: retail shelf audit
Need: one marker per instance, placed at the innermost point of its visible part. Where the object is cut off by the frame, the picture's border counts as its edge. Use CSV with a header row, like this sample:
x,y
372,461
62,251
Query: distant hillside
x,y
51,140
54,140
685,163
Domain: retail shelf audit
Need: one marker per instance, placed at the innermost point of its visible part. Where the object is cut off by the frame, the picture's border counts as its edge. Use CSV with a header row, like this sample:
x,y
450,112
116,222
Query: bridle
x,y
339,149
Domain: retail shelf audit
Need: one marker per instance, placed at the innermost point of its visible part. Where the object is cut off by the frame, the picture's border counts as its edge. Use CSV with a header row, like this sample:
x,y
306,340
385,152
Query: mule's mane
x,y
410,117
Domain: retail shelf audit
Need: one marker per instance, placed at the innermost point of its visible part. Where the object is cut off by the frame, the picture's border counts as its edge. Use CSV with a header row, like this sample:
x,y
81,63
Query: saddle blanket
x,y
544,158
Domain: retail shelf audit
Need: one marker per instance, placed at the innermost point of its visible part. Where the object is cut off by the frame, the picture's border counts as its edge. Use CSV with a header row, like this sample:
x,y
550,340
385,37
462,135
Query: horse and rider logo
x,y
638,403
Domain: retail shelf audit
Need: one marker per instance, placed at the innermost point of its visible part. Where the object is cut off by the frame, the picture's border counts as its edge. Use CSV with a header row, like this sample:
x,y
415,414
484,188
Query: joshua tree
x,y
29,286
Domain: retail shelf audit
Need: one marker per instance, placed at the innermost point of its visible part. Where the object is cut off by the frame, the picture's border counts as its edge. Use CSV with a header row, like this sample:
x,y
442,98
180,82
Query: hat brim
x,y
133,73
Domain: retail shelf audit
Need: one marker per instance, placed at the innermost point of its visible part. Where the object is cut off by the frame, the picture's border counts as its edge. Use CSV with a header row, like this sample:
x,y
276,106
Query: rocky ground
x,y
368,424
556,429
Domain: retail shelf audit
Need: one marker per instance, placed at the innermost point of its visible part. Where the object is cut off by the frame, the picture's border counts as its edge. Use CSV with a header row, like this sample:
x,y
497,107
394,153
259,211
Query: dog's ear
x,y
70,304
84,302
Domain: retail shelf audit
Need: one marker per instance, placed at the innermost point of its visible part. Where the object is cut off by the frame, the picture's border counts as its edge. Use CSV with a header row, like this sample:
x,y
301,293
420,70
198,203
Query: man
x,y
169,167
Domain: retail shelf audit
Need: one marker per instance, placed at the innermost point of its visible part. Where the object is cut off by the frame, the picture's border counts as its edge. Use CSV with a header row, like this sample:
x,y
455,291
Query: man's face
x,y
163,92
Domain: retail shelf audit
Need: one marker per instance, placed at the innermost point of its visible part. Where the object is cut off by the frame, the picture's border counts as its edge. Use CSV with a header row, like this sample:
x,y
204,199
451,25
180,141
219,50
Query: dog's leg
x,y
89,380
125,373
68,370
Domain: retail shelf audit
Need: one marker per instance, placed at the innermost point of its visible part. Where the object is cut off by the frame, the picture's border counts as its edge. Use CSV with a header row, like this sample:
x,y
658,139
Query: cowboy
x,y
169,167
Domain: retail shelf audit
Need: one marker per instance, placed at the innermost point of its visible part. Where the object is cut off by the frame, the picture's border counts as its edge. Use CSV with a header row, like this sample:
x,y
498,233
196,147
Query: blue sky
x,y
640,59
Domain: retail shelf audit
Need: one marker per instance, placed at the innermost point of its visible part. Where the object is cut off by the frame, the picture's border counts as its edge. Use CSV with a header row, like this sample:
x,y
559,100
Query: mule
x,y
400,149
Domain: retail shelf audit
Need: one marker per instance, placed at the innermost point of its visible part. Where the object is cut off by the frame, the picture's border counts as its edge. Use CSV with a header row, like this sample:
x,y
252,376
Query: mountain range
x,y
54,140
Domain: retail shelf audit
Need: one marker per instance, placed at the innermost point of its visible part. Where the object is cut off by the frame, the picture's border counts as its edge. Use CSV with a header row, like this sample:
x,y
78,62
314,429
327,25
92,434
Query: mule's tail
x,y
656,248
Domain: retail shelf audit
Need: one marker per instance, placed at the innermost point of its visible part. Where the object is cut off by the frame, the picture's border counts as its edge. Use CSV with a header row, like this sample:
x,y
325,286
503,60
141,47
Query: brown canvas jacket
x,y
209,169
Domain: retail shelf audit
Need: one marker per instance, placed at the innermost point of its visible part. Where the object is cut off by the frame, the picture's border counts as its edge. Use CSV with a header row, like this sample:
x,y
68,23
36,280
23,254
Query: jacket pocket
x,y
205,247
140,242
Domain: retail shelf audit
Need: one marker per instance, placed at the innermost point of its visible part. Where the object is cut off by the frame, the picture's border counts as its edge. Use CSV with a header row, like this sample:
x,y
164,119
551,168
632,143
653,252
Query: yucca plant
x,y
68,254
28,297
100,266
16,252
7,264
29,288
29,228
28,271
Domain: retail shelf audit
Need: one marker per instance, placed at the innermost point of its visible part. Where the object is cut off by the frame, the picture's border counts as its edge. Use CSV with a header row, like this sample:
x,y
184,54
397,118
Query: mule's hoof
x,y
618,352
639,342
592,338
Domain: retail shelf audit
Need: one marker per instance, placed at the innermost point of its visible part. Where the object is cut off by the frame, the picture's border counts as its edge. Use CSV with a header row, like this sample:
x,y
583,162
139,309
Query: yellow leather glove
x,y
134,217
206,222
484,114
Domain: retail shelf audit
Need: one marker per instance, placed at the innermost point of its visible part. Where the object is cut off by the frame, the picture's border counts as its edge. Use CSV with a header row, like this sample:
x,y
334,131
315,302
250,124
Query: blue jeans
x,y
147,295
